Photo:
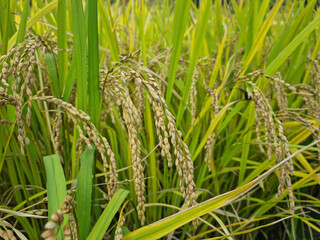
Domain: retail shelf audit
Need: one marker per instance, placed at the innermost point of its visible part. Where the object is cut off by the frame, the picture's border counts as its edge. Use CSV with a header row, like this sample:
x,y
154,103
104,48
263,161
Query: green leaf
x,y
105,219
5,20
50,61
84,192
23,22
62,42
70,80
181,14
93,63
56,185
80,53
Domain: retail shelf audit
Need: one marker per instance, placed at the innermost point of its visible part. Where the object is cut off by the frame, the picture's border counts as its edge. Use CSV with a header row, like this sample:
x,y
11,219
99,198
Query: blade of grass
x,y
53,74
93,63
56,185
62,42
23,22
5,24
181,13
93,76
70,80
80,53
84,190
105,219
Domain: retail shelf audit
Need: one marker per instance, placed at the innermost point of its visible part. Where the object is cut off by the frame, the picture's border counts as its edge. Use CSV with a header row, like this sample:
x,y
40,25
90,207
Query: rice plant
x,y
159,119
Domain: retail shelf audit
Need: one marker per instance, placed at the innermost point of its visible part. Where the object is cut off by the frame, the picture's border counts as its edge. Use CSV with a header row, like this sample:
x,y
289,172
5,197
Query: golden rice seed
x,y
291,202
73,227
2,57
193,94
60,216
67,231
48,233
290,193
39,213
161,128
64,206
268,143
68,199
139,96
167,148
56,131
21,131
50,225
2,232
209,149
4,69
118,234
131,107
9,234
258,126
55,217
122,221
66,236
278,152
5,83
113,165
68,210
280,95
281,183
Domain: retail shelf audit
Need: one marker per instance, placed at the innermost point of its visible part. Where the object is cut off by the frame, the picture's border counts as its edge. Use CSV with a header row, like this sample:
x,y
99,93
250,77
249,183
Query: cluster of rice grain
x,y
88,134
275,140
7,235
315,74
118,233
51,227
193,94
18,65
210,142
22,71
114,84
39,212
